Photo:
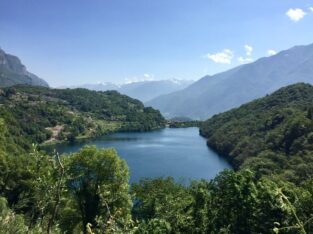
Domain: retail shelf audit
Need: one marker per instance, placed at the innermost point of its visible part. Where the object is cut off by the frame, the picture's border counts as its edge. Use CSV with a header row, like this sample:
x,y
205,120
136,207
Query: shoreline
x,y
88,138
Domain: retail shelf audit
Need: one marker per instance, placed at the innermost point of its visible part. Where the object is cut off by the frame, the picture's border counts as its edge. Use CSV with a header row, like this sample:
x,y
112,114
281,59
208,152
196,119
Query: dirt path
x,y
55,133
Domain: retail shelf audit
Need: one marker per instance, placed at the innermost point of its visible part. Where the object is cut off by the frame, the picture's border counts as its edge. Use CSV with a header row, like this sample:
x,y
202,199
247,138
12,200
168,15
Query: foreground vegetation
x,y
88,191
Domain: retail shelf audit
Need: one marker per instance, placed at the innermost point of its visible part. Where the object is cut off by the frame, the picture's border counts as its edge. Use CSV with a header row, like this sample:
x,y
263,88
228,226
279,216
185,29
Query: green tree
x,y
98,180
163,199
153,226
9,221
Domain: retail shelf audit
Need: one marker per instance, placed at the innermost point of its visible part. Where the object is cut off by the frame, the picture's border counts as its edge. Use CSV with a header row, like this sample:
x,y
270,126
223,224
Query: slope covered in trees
x,y
270,135
88,191
37,115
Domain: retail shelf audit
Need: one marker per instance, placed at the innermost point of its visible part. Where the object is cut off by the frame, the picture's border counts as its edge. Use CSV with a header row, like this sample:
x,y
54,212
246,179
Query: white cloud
x,y
224,57
271,52
247,58
148,76
295,14
243,60
248,50
134,79
311,9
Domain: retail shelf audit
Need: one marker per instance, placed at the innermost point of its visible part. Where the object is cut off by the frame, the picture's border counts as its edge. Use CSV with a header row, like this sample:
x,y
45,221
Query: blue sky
x,y
70,42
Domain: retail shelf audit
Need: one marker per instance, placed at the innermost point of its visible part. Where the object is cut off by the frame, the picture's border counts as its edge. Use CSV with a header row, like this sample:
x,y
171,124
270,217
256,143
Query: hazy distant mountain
x,y
13,72
218,93
143,90
147,90
96,87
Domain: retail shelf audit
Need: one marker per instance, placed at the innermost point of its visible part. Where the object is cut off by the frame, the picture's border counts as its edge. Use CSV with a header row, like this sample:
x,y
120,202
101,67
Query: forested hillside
x,y
43,115
88,191
271,135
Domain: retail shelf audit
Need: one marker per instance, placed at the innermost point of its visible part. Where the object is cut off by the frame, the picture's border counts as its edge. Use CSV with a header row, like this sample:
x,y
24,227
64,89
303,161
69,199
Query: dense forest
x,y
183,124
88,191
271,135
42,115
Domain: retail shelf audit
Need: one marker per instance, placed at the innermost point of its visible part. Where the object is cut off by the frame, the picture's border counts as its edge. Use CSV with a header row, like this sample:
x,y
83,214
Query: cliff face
x,y
13,72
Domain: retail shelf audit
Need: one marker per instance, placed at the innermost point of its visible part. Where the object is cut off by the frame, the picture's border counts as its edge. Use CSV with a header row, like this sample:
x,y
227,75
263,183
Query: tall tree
x,y
99,182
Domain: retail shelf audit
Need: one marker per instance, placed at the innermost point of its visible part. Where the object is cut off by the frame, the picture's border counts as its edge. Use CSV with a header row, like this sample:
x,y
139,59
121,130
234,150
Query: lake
x,y
178,152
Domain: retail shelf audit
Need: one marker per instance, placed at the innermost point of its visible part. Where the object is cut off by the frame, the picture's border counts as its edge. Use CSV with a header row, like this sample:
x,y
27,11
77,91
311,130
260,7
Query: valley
x,y
156,117
171,171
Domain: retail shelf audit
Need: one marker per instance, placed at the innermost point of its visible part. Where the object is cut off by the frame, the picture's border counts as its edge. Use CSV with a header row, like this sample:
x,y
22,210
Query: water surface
x,y
178,152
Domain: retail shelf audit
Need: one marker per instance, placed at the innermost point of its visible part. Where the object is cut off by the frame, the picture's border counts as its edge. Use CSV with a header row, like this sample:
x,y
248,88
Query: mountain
x,y
269,135
43,115
221,92
147,90
13,72
141,90
95,87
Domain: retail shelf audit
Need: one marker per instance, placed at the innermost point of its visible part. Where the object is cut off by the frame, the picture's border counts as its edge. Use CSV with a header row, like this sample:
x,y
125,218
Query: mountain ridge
x,y
13,72
141,90
218,93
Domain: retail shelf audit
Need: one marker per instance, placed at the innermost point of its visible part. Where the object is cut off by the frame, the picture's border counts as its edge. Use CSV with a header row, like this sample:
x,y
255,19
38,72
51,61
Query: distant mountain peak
x,y
180,81
214,94
13,72
141,90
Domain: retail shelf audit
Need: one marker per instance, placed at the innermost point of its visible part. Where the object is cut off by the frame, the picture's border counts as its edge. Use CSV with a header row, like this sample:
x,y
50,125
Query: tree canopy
x,y
271,191
270,135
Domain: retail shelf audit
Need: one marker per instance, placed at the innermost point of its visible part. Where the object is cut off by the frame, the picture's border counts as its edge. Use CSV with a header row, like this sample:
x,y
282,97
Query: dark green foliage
x,y
276,131
95,198
163,199
183,124
234,202
9,222
93,191
32,113
269,140
154,226
98,180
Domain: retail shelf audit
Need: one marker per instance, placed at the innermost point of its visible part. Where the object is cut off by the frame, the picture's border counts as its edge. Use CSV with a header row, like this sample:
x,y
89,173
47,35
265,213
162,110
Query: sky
x,y
75,42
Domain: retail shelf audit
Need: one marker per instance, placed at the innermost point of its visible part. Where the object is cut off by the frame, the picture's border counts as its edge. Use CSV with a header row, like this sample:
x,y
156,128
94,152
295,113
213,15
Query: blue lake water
x,y
178,152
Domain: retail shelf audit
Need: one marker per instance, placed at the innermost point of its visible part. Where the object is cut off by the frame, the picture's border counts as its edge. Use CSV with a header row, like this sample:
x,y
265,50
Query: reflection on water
x,y
180,153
